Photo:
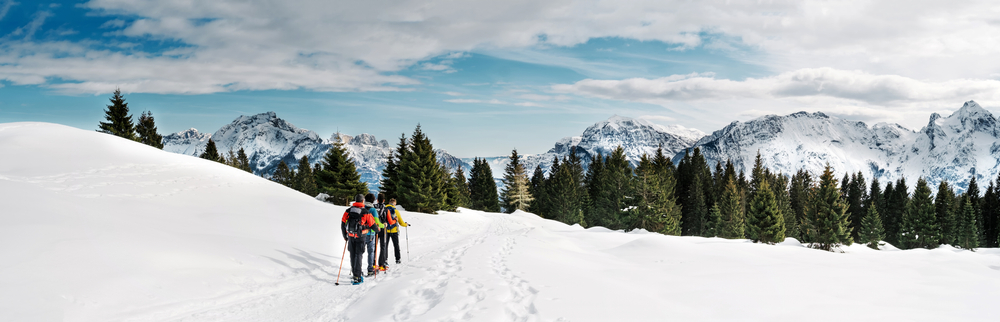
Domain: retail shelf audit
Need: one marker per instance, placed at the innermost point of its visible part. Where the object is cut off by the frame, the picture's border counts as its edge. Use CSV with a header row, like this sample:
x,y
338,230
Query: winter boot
x,y
357,280
398,262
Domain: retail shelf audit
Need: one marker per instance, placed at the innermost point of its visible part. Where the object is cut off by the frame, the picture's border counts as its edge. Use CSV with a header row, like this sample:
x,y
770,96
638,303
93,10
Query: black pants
x,y
384,251
357,248
395,244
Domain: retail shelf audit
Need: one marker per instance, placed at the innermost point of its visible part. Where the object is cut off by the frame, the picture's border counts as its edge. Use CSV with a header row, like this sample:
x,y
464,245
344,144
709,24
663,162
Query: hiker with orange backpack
x,y
357,223
393,221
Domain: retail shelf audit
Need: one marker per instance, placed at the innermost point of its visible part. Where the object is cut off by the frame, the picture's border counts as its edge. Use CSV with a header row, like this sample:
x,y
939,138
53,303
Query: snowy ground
x,y
96,228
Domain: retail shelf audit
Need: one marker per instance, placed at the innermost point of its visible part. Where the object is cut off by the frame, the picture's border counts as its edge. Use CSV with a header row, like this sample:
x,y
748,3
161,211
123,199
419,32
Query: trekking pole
x,y
341,263
407,243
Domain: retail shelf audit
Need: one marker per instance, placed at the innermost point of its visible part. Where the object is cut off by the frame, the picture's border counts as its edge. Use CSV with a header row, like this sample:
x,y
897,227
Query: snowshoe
x,y
382,268
370,274
357,280
398,262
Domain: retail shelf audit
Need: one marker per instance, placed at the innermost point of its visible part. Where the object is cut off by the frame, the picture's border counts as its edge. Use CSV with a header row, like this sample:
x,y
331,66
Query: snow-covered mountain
x,y
949,148
186,142
268,140
636,136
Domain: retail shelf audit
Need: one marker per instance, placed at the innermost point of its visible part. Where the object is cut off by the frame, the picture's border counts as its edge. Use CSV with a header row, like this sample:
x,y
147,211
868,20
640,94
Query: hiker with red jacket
x,y
356,224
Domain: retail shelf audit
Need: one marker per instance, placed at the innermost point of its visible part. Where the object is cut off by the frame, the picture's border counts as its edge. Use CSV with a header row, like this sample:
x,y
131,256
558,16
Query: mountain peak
x,y
971,109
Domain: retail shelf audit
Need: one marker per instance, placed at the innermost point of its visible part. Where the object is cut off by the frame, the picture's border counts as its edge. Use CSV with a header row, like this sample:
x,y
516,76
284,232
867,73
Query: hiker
x,y
356,224
372,237
392,222
383,241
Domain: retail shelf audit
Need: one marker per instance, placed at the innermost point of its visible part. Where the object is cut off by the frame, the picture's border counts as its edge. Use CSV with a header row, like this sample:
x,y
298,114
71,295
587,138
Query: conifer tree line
x,y
119,123
693,200
690,199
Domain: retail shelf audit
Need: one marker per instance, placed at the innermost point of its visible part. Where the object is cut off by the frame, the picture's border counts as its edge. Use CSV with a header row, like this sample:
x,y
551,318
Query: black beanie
x,y
359,198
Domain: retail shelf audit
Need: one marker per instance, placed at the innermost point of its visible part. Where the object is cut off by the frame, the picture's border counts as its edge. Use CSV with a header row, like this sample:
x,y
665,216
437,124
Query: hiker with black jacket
x,y
371,239
357,223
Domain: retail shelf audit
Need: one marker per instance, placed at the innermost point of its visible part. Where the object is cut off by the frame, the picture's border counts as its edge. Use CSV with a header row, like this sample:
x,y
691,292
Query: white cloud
x,y
464,101
453,93
115,23
491,101
700,101
5,7
850,85
352,45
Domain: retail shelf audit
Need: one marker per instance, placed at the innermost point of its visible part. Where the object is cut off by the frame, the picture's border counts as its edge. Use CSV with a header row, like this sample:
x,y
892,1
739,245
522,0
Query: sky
x,y
485,77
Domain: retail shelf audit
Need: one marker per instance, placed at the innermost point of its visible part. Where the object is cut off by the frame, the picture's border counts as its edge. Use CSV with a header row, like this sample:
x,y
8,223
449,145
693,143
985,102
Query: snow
x,y
97,228
267,140
952,148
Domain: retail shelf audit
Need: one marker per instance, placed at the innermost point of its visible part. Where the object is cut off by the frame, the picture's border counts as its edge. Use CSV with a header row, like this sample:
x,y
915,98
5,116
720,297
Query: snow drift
x,y
97,228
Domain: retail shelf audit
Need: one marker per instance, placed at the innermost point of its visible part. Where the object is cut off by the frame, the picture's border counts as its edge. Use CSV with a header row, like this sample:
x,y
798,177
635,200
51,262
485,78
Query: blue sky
x,y
483,78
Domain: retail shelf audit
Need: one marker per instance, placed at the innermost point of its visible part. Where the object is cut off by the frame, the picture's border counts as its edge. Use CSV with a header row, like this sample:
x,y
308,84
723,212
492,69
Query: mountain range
x,y
952,148
949,148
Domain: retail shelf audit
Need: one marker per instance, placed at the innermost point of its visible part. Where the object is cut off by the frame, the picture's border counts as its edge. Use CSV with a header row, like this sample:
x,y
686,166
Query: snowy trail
x,y
445,284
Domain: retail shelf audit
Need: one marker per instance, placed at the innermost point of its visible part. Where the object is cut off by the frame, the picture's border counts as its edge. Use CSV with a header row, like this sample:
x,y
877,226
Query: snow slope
x,y
96,228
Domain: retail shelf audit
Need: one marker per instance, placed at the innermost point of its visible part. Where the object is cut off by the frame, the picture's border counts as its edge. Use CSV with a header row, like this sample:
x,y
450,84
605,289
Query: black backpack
x,y
381,212
354,215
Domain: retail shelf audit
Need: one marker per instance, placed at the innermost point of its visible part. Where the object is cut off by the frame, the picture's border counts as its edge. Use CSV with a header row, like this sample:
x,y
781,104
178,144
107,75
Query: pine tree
x,y
462,185
421,177
857,192
146,129
875,198
870,231
282,174
621,187
731,212
965,235
974,197
826,215
458,191
779,186
575,195
596,212
921,224
537,190
897,203
305,181
243,161
482,188
211,152
390,175
119,122
696,220
943,211
516,194
991,216
798,198
767,223
230,159
339,177
656,209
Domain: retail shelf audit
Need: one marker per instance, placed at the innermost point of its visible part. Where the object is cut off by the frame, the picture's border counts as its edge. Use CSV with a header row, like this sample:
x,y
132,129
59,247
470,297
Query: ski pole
x,y
407,243
341,263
